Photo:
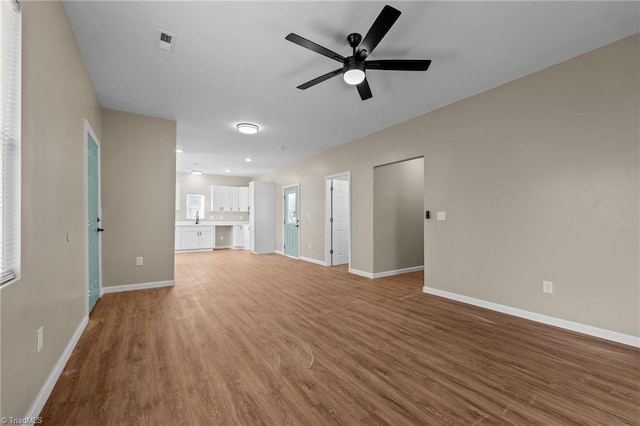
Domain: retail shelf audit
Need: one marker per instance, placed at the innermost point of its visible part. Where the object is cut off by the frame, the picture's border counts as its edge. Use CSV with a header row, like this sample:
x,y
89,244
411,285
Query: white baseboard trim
x,y
222,247
614,336
194,251
47,387
361,273
280,252
141,286
398,271
312,260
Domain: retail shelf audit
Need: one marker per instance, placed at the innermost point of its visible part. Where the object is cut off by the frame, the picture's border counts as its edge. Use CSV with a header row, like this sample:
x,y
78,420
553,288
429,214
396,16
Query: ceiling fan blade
x,y
399,65
383,23
320,79
301,41
364,90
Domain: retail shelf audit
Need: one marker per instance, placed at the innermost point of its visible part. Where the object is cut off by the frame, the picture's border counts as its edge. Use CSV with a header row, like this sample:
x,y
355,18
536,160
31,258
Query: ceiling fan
x,y
354,67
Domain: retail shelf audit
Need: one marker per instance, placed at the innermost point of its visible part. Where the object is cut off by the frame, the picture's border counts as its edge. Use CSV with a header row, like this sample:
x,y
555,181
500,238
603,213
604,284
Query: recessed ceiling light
x,y
196,172
179,151
227,171
247,128
248,160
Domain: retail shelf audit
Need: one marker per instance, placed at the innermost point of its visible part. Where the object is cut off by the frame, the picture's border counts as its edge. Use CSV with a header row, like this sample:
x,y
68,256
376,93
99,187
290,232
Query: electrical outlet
x,y
139,261
547,287
221,237
441,216
309,246
39,339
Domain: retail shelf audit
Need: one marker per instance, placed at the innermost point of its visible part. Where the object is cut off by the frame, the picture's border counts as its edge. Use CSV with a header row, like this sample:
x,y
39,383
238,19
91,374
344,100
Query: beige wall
x,y
539,179
138,161
194,184
398,235
57,96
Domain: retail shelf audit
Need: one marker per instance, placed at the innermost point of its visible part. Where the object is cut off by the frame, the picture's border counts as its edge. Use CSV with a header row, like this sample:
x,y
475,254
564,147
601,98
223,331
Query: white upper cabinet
x,y
243,198
229,198
215,198
234,202
220,198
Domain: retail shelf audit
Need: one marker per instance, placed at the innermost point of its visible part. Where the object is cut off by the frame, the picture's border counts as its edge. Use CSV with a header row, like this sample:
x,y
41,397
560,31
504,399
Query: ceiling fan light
x,y
196,172
354,76
248,128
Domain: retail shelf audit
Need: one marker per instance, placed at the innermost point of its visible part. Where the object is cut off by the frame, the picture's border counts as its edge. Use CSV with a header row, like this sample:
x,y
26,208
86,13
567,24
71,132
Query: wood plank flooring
x,y
267,340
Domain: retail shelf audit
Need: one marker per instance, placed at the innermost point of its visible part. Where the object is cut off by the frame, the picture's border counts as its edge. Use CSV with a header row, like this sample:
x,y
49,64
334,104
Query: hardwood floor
x,y
267,340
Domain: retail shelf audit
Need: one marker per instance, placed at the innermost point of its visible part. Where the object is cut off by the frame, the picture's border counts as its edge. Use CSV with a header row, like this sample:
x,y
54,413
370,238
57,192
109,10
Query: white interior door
x,y
341,225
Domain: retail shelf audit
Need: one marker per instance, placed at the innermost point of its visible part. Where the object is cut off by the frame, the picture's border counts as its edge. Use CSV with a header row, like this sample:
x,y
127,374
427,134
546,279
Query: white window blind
x,y
10,123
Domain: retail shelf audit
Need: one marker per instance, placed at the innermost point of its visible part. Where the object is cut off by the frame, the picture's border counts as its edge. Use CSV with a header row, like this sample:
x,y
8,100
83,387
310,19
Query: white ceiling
x,y
232,64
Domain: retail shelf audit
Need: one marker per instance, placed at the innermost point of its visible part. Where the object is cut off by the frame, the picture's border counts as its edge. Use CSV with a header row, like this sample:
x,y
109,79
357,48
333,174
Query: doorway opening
x,y
398,217
338,219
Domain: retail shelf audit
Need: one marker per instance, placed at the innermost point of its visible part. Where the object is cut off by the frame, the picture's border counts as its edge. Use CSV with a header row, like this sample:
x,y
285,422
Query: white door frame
x,y
88,130
327,216
299,218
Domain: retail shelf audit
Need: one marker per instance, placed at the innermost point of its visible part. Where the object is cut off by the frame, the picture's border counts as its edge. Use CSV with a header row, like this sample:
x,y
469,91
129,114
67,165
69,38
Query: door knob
x,y
100,230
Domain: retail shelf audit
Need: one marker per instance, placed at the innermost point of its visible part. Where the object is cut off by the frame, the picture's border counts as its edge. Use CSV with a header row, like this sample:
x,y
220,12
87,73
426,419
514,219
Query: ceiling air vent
x,y
165,40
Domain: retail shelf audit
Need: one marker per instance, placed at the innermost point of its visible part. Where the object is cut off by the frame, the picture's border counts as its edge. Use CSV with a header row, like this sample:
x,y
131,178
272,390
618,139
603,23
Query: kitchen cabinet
x,y
234,201
220,198
197,237
243,198
229,198
246,236
238,240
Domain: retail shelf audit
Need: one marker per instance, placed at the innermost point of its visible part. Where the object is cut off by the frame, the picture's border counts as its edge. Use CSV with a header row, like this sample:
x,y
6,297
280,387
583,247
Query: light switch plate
x,y
547,287
441,216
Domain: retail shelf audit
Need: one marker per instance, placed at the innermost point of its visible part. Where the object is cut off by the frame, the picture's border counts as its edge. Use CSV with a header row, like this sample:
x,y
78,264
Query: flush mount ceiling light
x,y
196,172
248,160
247,128
227,171
179,151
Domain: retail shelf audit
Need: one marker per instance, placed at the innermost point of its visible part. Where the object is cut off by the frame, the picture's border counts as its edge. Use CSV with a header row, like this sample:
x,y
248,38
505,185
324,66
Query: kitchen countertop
x,y
212,222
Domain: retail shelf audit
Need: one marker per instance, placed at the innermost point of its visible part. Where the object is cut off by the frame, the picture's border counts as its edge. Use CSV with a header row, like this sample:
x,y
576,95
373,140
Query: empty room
x,y
319,212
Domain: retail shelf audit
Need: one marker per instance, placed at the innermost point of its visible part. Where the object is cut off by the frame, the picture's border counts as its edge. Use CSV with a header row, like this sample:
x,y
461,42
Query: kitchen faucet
x,y
197,217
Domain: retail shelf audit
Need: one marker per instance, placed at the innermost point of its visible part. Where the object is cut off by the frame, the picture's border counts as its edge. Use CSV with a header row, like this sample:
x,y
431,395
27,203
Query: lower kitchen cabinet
x,y
197,237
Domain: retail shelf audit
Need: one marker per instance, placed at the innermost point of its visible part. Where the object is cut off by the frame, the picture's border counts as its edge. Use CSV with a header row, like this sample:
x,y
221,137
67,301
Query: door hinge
x,y
331,187
330,251
284,246
330,220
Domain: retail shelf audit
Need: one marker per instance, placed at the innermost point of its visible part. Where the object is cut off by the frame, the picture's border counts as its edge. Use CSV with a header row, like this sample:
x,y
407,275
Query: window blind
x,y
10,127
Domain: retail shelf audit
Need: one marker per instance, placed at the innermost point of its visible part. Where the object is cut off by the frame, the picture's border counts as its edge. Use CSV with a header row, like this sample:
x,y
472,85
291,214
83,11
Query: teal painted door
x,y
93,222
291,210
